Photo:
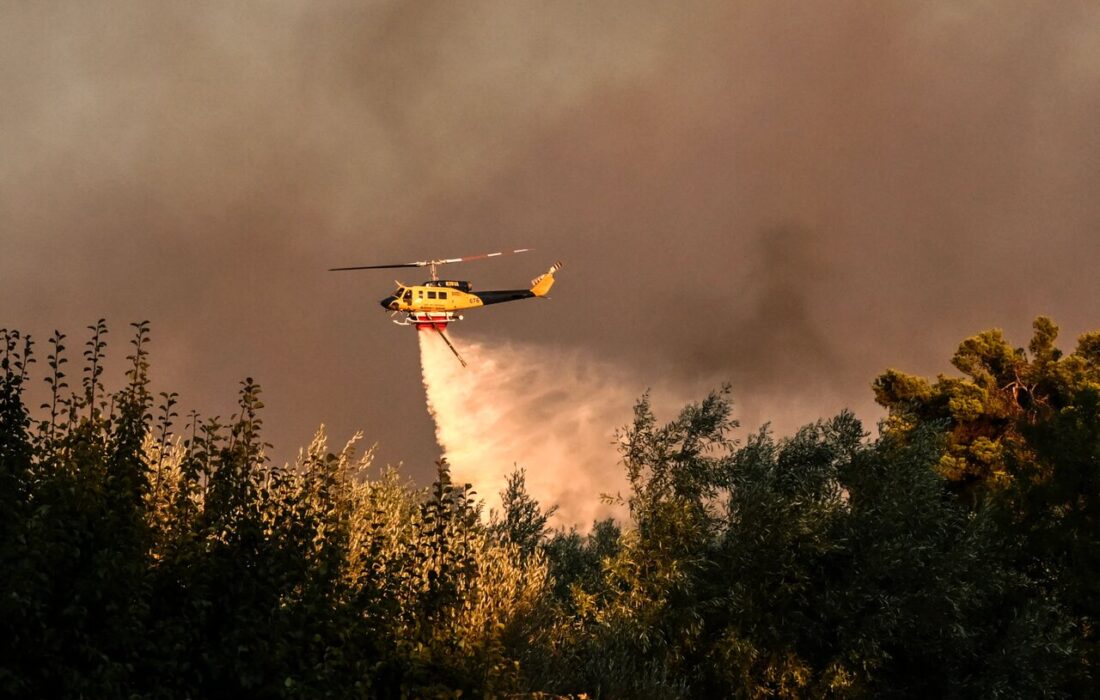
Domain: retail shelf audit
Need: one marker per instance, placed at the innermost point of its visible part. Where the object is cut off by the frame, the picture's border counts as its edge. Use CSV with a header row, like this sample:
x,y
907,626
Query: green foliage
x,y
1003,389
817,566
141,564
522,522
1055,508
955,556
577,561
1020,439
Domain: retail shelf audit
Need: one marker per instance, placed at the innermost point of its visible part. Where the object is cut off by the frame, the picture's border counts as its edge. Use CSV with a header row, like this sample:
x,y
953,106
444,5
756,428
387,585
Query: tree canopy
x,y
955,555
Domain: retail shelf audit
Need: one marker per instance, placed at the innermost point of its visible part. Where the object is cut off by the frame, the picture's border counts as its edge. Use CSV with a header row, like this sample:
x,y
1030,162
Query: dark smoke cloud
x,y
789,196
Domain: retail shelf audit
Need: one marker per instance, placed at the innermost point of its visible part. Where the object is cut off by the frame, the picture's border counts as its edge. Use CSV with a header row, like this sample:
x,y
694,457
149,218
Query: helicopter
x,y
435,303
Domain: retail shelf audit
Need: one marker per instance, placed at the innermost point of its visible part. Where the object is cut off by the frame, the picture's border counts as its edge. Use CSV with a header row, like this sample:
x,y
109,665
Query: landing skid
x,y
423,319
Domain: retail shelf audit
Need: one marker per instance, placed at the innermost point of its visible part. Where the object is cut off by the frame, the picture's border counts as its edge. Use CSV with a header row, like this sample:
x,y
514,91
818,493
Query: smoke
x,y
790,196
552,412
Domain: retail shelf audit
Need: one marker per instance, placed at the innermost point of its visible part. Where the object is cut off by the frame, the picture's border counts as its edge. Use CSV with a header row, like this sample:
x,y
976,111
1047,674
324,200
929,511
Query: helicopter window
x,y
431,295
408,296
443,295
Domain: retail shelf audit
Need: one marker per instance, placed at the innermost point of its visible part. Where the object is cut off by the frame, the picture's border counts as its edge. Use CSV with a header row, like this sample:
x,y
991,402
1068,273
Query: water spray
x,y
551,411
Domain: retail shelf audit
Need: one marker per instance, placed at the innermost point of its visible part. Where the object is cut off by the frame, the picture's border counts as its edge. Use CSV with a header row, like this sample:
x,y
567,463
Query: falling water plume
x,y
553,413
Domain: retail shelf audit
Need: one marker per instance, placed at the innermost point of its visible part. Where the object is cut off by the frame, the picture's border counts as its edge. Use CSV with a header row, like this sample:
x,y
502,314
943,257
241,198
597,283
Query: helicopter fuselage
x,y
436,302
447,296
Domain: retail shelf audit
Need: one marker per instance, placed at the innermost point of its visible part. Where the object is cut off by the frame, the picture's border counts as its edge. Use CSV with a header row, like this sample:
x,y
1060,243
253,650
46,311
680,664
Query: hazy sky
x,y
789,196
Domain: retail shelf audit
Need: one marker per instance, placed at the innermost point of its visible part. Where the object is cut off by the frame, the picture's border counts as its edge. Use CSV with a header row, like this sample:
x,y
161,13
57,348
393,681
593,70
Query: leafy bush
x,y
955,556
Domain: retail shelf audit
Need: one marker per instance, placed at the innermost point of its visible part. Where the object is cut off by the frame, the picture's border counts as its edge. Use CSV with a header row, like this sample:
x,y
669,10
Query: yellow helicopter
x,y
435,303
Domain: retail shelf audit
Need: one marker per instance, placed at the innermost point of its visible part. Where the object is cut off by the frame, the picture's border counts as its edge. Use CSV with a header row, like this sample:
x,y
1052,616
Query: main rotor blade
x,y
375,267
425,263
484,255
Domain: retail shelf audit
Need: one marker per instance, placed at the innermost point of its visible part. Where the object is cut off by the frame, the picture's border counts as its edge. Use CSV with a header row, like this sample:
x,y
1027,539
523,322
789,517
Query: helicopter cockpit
x,y
401,294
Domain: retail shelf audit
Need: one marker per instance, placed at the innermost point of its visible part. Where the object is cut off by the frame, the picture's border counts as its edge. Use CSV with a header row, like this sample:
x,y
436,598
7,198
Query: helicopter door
x,y
407,299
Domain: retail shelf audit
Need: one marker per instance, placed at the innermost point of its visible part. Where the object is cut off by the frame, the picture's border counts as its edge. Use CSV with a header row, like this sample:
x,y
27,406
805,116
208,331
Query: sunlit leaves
x,y
1002,389
144,558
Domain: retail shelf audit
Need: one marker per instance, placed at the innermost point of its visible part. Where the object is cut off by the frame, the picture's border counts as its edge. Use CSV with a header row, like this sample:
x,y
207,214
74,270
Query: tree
x,y
1054,506
523,522
142,564
983,412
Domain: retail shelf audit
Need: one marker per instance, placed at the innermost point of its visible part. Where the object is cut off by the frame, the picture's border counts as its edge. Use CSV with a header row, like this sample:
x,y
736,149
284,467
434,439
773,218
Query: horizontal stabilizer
x,y
540,286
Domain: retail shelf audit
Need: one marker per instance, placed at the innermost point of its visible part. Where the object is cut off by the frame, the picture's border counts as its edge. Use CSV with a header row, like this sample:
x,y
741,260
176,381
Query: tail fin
x,y
541,285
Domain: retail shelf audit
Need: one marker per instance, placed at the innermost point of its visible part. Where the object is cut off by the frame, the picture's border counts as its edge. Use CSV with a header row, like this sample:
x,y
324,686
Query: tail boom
x,y
540,286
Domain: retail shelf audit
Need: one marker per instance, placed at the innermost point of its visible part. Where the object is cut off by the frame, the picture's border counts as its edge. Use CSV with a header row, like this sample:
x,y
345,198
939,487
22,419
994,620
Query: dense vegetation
x,y
954,556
